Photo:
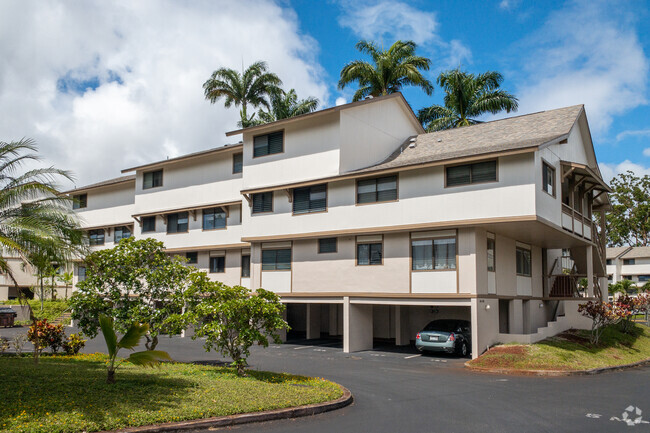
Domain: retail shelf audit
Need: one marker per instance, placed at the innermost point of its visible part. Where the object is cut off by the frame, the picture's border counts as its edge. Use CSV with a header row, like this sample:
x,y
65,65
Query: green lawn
x,y
51,309
69,394
572,351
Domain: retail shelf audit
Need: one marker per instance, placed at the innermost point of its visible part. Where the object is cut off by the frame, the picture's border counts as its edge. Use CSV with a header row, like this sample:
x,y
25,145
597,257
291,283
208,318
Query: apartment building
x,y
368,227
628,263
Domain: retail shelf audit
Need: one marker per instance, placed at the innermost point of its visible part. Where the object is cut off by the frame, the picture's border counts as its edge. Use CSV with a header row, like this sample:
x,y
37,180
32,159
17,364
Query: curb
x,y
556,373
245,418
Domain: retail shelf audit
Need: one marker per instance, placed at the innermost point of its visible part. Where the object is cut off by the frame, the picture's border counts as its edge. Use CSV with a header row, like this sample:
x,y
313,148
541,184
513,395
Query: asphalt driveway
x,y
397,390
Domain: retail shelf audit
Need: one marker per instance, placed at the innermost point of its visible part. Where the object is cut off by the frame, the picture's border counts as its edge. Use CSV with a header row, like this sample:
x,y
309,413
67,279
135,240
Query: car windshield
x,y
442,325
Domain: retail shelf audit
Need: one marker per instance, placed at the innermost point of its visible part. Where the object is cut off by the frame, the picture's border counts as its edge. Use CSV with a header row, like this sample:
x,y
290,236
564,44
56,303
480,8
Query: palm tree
x,y
285,105
251,87
36,220
467,96
391,70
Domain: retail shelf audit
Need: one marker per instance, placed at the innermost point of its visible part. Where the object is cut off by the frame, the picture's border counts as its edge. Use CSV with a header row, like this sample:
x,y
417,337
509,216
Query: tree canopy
x,y
389,72
628,223
285,105
467,96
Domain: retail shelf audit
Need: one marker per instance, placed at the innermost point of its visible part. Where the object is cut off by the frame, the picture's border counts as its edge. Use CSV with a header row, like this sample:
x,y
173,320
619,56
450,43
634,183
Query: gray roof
x,y
637,253
513,133
186,156
615,252
103,183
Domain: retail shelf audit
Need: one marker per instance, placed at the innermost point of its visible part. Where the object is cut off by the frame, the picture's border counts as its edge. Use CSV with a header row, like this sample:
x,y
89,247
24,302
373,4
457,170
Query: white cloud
x,y
589,53
385,21
632,133
103,86
609,170
389,18
646,152
340,101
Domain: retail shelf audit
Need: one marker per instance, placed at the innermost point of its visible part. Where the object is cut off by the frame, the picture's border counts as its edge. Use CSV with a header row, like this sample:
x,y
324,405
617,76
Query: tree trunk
x,y
42,293
110,377
151,342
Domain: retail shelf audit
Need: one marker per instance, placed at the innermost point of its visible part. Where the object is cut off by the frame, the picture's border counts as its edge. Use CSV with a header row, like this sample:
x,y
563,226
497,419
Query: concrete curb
x,y
245,418
556,373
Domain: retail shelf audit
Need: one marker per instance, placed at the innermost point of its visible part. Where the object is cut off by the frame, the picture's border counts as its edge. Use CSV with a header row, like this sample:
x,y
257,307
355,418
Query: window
x,y
491,258
96,237
578,198
548,179
148,224
81,273
644,278
523,262
471,173
370,254
245,266
310,199
237,163
192,257
376,190
217,265
177,222
326,245
121,233
268,144
608,261
263,202
433,254
627,277
276,260
214,218
152,179
629,261
79,201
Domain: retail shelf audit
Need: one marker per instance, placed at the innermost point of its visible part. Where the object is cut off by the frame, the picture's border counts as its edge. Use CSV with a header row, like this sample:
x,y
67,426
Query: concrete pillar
x,y
334,319
402,336
516,316
313,321
589,250
357,326
603,288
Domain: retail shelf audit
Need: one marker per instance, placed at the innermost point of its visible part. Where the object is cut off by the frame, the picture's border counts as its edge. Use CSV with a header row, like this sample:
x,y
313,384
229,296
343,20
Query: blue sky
x,y
106,85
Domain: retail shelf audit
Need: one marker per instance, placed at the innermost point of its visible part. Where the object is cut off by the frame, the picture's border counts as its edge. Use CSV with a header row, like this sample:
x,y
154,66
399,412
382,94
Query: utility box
x,y
7,317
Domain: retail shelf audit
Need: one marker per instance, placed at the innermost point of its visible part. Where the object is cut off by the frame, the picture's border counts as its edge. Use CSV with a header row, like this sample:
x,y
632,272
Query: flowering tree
x,y
602,314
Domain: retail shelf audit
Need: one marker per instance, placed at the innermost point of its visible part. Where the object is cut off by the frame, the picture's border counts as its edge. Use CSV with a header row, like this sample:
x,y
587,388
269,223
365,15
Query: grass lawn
x,y
51,309
571,350
70,394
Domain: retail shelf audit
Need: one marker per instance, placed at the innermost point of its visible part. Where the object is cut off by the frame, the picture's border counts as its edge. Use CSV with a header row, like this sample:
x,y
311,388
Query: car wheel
x,y
464,350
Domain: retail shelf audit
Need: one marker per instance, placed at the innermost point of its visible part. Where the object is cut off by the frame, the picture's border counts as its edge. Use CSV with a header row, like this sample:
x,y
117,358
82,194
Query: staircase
x,y
552,328
64,319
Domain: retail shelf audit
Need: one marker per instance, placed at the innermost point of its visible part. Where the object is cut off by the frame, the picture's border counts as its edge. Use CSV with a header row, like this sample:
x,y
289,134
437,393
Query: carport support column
x,y
283,332
313,321
517,316
357,326
590,270
402,337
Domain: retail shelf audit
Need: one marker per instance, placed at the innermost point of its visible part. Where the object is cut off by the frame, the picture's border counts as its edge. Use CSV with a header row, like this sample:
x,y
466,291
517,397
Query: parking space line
x,y
412,356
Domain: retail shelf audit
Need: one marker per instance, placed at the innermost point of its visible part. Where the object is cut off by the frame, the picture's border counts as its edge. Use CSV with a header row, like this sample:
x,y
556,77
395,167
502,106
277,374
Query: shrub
x,y
601,315
4,345
74,344
43,334
19,342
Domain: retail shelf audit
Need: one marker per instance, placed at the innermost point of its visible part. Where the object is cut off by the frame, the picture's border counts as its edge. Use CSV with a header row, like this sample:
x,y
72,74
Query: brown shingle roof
x,y
514,133
614,252
103,183
637,253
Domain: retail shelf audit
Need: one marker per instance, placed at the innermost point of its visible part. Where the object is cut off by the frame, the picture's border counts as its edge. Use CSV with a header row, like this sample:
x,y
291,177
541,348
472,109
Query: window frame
x,y
309,211
79,276
225,220
629,262
77,201
178,231
496,162
548,165
152,172
433,255
376,179
153,218
241,265
90,232
336,245
494,252
530,255
241,155
115,240
189,261
276,259
217,271
281,131
356,252
253,203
